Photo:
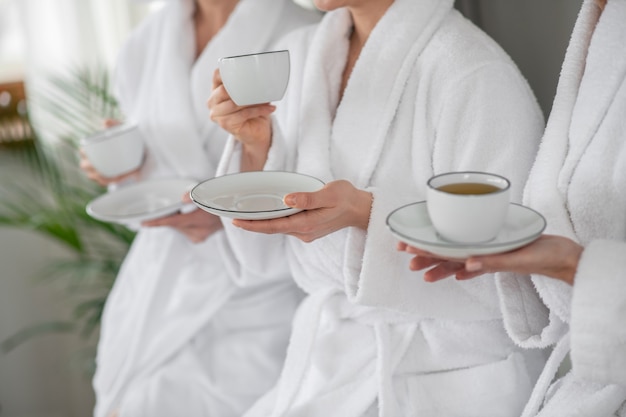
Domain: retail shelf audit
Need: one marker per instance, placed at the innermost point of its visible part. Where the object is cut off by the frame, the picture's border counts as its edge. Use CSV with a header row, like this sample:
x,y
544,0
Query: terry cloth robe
x,y
184,333
429,93
579,183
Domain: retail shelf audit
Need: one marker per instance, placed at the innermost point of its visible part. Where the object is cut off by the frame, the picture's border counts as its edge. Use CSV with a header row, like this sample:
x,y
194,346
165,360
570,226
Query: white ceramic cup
x,y
255,78
116,150
472,213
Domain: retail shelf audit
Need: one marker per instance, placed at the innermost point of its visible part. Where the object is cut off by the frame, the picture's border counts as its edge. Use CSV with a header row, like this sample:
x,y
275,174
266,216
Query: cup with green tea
x,y
468,207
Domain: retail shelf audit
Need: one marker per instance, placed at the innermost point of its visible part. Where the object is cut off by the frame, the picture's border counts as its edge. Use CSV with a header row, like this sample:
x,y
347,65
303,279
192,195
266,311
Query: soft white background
x,y
38,37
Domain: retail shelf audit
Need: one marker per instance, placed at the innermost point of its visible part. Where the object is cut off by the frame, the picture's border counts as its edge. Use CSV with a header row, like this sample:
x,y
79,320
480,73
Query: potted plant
x,y
76,104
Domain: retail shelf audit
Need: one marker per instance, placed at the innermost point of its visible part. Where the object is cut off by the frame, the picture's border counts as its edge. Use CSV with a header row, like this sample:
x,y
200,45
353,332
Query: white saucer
x,y
142,201
412,225
253,195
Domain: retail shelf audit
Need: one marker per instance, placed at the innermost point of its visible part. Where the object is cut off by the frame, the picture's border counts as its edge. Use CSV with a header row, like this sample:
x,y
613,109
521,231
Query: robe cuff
x,y
598,328
358,287
527,319
375,272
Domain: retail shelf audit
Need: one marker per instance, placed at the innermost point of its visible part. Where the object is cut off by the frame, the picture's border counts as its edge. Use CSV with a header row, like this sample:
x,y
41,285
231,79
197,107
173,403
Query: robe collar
x,y
172,91
361,121
604,74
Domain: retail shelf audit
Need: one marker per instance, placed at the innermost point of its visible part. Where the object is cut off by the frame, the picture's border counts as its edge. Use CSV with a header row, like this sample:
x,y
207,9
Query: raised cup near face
x,y
255,78
116,150
468,207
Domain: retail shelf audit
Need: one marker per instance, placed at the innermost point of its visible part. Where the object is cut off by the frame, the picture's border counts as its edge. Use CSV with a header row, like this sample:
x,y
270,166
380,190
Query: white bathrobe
x,y
429,93
183,332
579,183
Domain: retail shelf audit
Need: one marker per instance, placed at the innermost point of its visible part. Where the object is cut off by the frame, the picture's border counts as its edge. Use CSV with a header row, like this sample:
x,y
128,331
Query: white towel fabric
x,y
599,312
429,93
182,327
578,182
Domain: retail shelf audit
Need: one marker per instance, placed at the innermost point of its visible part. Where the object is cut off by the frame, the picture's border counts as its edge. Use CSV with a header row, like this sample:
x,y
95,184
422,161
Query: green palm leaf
x,y
52,200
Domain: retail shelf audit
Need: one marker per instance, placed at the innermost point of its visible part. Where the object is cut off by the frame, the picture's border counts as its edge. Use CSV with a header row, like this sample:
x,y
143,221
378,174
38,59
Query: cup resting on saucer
x,y
468,207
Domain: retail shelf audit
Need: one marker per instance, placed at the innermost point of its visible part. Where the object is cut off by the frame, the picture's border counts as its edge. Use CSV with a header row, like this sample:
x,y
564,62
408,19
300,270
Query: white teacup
x,y
116,150
468,207
255,78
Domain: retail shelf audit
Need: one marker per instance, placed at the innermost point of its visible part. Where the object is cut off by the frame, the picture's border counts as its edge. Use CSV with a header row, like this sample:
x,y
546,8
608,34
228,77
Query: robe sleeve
x,y
527,319
253,258
598,320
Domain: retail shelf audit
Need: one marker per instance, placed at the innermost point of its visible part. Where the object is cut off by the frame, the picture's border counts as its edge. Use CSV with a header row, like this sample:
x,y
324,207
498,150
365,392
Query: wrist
x,y
254,152
253,157
363,209
571,263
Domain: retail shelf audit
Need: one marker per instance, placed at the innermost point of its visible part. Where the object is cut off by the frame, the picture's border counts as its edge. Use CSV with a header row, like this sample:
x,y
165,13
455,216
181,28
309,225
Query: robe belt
x,y
547,376
305,328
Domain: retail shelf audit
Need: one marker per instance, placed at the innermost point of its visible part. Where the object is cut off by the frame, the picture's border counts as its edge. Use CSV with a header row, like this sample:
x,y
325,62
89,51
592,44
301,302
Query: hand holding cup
x,y
112,153
243,88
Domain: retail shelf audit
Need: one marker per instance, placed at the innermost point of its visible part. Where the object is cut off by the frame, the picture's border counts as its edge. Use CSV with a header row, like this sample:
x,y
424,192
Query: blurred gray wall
x,y
40,378
534,32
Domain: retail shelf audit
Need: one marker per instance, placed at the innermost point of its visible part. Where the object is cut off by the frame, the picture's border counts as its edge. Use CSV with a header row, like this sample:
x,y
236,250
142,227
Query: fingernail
x,y
290,200
473,266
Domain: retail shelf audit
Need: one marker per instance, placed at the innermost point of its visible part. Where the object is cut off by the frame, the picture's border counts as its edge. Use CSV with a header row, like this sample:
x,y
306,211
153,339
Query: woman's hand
x,y
93,174
440,268
339,204
251,125
197,225
553,256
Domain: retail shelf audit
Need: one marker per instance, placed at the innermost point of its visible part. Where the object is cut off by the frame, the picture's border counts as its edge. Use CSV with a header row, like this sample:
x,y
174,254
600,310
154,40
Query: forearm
x,y
362,207
254,153
253,157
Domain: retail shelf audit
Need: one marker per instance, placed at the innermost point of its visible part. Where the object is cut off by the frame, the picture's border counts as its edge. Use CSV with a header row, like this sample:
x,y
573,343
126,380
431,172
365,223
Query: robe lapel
x,y
164,106
320,93
378,80
182,136
354,136
604,74
544,191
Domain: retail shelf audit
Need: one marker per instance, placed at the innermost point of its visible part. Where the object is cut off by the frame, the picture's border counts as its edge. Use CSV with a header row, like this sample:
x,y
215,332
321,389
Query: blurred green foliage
x,y
51,201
